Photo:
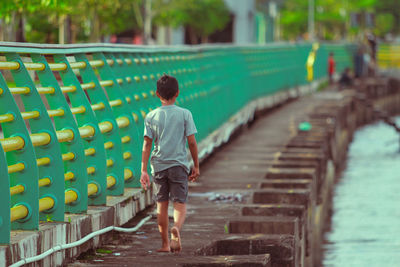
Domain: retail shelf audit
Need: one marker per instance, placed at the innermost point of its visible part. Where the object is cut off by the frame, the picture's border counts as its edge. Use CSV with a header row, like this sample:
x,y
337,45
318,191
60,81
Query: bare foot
x,y
164,249
175,240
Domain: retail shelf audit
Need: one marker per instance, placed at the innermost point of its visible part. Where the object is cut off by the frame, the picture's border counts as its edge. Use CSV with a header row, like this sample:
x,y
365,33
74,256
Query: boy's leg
x,y
179,219
179,214
162,220
178,179
178,185
161,188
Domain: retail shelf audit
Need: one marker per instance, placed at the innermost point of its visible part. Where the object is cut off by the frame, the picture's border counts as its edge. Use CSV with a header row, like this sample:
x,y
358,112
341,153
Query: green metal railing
x,y
72,116
389,56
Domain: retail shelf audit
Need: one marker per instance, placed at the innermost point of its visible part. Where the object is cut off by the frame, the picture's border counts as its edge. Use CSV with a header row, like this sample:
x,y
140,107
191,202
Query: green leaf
x,y
103,251
226,228
49,218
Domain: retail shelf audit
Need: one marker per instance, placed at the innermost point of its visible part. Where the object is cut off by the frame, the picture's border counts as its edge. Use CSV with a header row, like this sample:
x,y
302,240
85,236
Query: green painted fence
x,y
389,56
72,116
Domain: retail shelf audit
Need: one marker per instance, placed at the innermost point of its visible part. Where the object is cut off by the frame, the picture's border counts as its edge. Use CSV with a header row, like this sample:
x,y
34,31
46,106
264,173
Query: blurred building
x,y
243,15
252,22
240,29
267,21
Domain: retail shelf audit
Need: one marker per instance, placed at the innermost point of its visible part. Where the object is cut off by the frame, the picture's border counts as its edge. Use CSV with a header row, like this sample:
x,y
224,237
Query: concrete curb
x,y
118,211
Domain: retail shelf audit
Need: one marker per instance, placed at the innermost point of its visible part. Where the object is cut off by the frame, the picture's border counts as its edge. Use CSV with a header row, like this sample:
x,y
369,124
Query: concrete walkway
x,y
236,170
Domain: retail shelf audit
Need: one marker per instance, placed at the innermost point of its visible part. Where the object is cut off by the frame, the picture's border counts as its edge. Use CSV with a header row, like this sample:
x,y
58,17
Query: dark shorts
x,y
171,184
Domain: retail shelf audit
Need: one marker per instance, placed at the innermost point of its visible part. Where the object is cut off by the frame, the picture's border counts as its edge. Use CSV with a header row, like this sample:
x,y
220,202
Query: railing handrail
x,y
84,142
25,48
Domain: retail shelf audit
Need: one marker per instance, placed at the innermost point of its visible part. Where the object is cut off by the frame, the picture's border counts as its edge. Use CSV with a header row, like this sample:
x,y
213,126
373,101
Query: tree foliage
x,y
390,9
332,17
89,20
202,17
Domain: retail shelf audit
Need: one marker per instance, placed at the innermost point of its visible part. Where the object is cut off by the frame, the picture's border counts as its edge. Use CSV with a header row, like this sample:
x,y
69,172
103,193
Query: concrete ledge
x,y
118,211
281,248
291,173
238,261
264,225
286,184
272,225
290,210
282,196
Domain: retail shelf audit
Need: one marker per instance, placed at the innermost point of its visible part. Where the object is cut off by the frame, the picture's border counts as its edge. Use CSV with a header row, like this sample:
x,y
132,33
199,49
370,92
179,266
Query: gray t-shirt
x,y
169,126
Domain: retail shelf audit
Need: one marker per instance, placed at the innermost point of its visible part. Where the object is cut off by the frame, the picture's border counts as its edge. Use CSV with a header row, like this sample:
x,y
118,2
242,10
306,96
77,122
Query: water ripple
x,y
366,210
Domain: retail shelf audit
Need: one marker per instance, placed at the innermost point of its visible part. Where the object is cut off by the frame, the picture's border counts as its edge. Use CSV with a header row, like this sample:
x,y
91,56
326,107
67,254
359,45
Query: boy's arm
x,y
193,151
144,178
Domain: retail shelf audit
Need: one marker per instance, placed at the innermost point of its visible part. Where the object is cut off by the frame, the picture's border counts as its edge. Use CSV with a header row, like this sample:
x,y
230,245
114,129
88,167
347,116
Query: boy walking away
x,y
169,127
331,67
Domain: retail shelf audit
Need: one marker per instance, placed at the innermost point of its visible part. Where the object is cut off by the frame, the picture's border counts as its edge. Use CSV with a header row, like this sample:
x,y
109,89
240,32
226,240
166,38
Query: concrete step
x,y
281,248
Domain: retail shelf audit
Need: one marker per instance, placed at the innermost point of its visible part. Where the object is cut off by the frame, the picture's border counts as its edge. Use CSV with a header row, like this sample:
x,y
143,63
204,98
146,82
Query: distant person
x,y
359,63
368,65
372,44
170,127
346,79
331,67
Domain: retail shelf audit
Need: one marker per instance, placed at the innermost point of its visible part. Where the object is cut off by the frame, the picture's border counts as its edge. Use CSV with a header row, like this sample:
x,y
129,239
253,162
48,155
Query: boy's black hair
x,y
167,86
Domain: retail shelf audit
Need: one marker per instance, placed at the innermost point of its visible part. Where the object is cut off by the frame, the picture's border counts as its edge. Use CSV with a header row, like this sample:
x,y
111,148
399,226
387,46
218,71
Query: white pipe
x,y
79,242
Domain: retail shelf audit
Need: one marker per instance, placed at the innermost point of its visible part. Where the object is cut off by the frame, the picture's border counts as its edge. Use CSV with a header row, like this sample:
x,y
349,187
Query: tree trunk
x,y
192,36
95,34
147,22
61,29
2,29
73,32
68,30
64,32
20,32
9,33
396,22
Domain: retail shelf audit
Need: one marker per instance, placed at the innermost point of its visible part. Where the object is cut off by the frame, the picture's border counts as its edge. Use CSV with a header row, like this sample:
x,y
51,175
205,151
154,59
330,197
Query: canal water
x,y
365,228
